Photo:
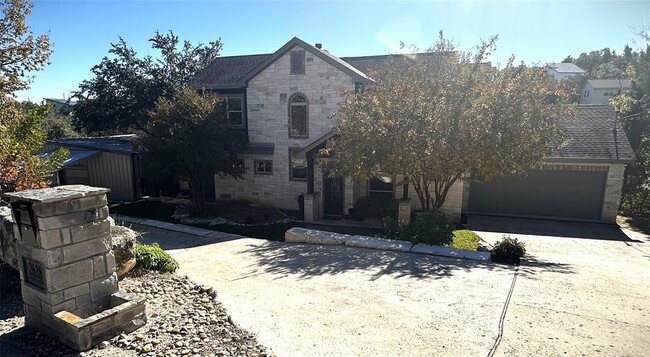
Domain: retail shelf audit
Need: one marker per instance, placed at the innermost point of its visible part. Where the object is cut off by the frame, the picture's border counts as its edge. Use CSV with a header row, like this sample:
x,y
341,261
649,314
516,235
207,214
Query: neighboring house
x,y
60,105
600,91
286,102
110,162
561,71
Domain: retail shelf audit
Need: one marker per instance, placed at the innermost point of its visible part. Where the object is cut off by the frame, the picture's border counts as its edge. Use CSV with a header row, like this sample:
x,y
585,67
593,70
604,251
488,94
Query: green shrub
x,y
366,207
151,256
465,239
508,250
394,229
432,228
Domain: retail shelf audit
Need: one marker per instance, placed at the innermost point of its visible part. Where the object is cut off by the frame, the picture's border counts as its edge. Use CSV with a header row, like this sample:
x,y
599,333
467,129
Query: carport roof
x,y
591,136
121,144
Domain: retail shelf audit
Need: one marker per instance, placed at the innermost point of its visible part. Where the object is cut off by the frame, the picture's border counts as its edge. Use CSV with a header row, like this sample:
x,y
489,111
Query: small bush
x,y
465,239
394,229
366,207
508,250
432,228
151,256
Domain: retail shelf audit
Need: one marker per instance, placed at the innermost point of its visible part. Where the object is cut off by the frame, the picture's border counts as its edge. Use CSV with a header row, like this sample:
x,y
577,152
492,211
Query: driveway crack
x,y
503,314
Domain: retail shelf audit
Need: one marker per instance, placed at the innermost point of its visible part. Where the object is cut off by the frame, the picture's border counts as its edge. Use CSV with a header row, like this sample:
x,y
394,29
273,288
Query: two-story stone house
x,y
287,101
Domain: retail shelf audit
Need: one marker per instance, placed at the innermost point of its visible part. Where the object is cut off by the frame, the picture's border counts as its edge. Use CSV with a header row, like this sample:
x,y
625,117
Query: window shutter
x,y
298,62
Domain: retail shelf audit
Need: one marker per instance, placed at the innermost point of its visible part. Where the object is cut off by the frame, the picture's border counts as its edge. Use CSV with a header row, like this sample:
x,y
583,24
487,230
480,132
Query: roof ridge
x,y
239,56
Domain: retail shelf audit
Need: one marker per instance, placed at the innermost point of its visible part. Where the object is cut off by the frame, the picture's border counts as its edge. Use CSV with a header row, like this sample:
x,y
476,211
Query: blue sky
x,y
534,31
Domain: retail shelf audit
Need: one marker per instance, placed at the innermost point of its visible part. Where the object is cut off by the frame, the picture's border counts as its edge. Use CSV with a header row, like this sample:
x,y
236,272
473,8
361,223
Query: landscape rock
x,y
193,328
124,240
378,243
8,253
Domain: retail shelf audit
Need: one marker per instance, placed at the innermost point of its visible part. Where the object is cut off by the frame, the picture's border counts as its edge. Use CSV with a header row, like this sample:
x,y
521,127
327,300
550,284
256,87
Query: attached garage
x,y
574,194
580,180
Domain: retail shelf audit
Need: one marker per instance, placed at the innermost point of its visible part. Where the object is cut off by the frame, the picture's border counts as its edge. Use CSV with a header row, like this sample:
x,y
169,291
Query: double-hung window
x,y
234,108
264,167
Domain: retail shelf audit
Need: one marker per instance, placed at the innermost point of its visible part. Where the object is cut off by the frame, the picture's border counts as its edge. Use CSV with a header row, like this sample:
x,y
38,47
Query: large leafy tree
x,y
188,135
21,133
125,86
436,116
20,51
634,110
604,63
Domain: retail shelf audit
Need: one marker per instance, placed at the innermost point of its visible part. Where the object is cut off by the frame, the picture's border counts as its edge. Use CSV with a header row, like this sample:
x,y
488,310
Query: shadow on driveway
x,y
306,261
542,227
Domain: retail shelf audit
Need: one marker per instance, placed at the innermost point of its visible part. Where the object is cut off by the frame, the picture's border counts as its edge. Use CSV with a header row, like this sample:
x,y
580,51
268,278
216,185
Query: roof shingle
x,y
589,137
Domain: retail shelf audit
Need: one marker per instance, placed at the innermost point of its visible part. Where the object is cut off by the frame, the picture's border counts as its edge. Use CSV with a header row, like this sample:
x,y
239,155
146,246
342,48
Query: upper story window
x,y
298,121
234,106
297,62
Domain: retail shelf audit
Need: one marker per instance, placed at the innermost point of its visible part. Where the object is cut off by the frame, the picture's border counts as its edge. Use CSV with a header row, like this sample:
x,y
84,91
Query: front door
x,y
333,196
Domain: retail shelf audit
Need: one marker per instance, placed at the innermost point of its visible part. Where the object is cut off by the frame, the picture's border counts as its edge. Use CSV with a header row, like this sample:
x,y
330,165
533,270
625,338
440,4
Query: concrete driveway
x,y
584,290
309,300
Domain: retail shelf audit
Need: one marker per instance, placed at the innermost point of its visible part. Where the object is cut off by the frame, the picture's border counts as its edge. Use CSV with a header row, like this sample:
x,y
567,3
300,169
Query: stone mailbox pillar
x,y
68,283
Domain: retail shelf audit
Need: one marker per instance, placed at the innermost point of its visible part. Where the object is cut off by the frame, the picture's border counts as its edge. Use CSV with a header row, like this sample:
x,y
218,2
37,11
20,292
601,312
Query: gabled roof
x,y
357,76
565,68
236,71
123,144
61,101
610,83
589,137
227,72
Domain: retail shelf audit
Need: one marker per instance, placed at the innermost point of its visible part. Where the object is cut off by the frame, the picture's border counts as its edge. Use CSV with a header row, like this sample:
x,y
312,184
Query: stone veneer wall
x,y
268,122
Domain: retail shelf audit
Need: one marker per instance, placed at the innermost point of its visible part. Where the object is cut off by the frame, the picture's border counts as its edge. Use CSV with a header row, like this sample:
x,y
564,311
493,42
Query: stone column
x,y
349,196
65,260
613,189
312,207
404,211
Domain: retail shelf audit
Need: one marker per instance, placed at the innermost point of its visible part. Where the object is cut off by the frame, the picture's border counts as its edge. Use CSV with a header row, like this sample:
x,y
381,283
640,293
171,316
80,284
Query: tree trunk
x,y
197,189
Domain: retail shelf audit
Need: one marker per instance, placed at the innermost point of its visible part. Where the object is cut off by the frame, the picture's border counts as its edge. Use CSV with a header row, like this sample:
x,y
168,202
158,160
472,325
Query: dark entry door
x,y
333,196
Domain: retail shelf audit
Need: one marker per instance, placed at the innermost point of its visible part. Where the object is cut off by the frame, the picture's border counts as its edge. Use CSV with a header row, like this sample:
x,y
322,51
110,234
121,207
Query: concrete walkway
x,y
310,300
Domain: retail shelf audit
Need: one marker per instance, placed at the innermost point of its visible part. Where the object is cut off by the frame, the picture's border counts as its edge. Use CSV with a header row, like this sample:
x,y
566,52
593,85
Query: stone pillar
x,y
348,192
404,210
66,263
613,190
312,207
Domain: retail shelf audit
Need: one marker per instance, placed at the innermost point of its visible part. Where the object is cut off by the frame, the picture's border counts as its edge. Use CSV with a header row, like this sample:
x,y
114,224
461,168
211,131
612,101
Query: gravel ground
x,y
184,319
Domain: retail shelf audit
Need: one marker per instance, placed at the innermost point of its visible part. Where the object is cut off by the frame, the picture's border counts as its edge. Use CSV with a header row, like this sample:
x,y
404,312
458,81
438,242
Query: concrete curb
x,y
180,228
313,236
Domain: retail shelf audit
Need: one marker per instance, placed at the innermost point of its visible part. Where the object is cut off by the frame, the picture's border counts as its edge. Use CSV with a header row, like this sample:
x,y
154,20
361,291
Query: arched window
x,y
298,121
